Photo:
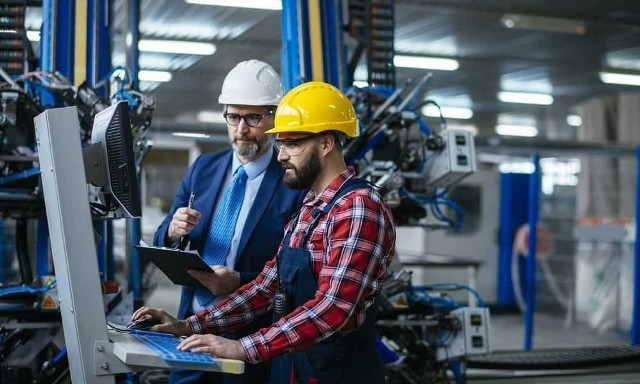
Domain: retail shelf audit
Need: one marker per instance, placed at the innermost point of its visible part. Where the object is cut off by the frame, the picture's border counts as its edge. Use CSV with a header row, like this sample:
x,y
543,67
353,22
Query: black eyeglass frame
x,y
244,117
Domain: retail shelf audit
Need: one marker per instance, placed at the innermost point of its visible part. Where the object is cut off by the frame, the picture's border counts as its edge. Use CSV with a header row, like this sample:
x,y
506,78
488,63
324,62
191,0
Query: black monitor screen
x,y
112,142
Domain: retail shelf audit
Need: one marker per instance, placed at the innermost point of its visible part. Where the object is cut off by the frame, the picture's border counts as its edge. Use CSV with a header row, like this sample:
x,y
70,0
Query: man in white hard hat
x,y
250,93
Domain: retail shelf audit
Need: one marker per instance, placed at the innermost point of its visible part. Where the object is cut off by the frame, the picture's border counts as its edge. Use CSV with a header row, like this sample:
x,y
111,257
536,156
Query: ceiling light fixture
x,y
212,117
175,46
525,98
544,23
423,62
619,78
516,130
275,5
360,83
448,112
33,35
574,120
157,76
191,135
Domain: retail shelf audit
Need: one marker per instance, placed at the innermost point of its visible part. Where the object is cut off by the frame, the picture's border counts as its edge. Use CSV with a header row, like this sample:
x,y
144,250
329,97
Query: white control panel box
x,y
472,335
456,161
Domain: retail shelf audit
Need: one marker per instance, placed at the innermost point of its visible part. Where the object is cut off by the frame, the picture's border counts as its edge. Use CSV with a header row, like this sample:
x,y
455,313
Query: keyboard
x,y
165,344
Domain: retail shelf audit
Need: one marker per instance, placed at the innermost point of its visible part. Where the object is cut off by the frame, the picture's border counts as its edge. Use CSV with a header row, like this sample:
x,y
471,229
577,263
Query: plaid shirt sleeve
x,y
239,308
354,248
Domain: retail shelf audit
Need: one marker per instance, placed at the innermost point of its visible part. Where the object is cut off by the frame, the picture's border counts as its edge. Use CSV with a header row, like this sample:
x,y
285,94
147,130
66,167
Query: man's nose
x,y
243,127
282,155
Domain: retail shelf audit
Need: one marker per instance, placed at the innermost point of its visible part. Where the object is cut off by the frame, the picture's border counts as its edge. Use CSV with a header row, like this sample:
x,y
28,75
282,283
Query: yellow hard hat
x,y
315,107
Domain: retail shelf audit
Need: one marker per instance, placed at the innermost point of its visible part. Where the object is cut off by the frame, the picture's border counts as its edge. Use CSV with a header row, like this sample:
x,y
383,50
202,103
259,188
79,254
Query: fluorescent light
x,y
175,46
213,117
157,76
424,62
619,78
33,35
255,4
191,135
516,130
448,112
544,23
574,120
360,83
525,98
517,167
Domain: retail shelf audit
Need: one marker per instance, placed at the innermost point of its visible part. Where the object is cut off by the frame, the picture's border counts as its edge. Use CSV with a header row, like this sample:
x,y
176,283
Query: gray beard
x,y
248,151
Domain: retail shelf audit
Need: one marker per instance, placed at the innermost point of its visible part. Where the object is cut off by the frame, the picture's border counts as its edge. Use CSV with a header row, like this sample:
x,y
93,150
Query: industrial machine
x,y
424,333
32,346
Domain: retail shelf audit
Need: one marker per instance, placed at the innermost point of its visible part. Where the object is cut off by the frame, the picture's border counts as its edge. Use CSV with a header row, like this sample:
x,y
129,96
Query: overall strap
x,y
350,185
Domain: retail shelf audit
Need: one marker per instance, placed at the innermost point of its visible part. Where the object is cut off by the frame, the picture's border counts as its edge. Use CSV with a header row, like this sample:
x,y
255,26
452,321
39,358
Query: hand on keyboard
x,y
166,346
214,345
164,321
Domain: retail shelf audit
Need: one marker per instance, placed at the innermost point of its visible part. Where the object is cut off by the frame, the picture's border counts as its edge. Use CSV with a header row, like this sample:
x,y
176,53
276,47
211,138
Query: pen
x,y
185,239
191,198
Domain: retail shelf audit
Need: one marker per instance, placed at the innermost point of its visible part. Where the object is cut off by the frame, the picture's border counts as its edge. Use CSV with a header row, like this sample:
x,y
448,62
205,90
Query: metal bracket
x,y
105,362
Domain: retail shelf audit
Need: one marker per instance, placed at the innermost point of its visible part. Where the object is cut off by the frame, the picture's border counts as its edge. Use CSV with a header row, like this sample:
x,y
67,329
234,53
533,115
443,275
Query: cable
x,y
27,289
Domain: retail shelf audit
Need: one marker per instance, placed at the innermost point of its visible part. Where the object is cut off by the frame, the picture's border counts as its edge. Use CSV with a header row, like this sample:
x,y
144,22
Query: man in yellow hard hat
x,y
323,284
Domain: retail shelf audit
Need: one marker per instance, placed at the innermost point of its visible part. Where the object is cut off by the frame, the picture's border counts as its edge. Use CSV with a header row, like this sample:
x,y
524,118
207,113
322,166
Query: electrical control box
x,y
470,334
456,161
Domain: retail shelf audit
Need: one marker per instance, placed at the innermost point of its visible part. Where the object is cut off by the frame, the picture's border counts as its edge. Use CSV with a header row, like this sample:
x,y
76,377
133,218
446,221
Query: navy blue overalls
x,y
351,358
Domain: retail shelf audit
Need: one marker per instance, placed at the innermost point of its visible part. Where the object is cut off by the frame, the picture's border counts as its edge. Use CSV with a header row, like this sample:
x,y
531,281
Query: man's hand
x,y
213,345
182,223
221,282
166,322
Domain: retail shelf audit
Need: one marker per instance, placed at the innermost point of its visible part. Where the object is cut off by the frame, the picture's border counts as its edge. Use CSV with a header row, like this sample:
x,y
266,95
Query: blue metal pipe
x,y
531,260
111,263
42,253
635,326
133,53
98,44
135,276
331,43
292,64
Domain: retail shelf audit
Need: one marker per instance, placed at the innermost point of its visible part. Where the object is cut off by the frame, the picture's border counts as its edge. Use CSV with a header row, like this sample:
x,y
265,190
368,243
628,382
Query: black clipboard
x,y
175,263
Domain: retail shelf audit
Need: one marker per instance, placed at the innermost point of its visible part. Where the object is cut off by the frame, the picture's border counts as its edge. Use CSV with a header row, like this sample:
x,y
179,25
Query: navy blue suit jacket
x,y
273,207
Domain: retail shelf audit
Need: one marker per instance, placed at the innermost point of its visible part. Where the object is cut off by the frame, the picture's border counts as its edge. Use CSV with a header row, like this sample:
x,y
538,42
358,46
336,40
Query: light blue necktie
x,y
223,226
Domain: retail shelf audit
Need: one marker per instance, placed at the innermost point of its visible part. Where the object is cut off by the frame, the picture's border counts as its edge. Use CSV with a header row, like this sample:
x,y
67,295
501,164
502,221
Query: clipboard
x,y
175,263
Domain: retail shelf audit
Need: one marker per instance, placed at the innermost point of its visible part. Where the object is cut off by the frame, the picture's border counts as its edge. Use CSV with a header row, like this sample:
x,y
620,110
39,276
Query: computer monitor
x,y
110,164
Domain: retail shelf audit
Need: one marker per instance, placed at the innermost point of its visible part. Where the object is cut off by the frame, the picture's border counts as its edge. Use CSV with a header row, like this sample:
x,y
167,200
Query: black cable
x,y
443,121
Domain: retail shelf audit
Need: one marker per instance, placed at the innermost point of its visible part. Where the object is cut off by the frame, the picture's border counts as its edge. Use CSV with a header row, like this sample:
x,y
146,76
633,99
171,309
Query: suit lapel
x,y
272,178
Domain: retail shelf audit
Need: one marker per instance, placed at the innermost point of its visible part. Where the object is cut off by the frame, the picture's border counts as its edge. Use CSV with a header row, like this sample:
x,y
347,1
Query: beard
x,y
249,148
304,176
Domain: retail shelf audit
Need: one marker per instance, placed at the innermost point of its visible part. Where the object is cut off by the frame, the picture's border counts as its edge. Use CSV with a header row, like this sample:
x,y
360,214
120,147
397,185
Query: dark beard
x,y
304,176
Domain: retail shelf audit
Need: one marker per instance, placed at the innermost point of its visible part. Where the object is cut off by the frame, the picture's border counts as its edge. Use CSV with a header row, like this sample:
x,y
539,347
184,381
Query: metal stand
x,y
95,355
72,244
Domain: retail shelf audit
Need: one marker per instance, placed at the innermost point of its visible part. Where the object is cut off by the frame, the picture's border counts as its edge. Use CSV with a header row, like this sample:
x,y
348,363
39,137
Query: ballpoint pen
x,y
184,240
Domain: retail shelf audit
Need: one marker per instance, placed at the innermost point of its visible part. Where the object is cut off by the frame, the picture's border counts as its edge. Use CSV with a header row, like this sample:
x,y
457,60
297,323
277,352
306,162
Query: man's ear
x,y
328,143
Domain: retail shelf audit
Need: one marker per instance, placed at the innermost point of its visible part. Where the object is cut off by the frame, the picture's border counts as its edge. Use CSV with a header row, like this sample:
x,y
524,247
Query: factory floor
x,y
507,334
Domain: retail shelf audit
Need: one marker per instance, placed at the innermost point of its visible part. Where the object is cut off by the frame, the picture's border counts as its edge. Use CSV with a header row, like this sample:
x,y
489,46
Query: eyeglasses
x,y
251,119
292,147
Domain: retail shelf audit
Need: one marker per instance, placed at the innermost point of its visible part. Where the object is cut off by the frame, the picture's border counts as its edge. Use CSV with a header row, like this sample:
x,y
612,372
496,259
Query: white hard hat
x,y
251,82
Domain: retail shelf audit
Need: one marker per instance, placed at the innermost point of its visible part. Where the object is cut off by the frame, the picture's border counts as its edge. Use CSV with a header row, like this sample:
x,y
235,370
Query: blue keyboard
x,y
165,344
